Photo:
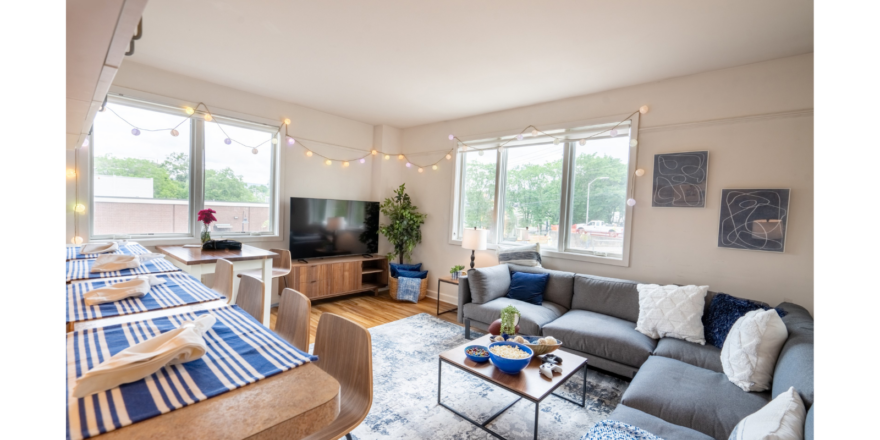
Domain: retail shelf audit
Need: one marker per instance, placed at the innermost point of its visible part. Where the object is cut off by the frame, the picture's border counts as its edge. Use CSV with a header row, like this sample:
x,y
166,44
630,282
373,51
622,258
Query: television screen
x,y
322,228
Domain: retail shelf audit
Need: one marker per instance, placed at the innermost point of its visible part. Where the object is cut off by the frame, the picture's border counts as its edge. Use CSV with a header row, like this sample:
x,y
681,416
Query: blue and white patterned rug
x,y
405,392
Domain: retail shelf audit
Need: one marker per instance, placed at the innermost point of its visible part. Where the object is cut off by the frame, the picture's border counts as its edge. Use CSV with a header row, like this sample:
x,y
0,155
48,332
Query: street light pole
x,y
588,197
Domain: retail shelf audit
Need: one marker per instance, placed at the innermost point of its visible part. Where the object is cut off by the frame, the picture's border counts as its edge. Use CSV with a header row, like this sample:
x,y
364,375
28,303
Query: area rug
x,y
405,354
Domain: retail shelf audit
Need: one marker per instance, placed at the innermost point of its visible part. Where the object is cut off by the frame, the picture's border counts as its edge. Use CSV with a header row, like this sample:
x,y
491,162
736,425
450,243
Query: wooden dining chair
x,y
250,296
280,267
223,279
294,315
345,352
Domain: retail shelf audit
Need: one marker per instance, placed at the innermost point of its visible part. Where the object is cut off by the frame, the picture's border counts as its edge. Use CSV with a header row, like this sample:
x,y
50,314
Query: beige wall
x,y
670,245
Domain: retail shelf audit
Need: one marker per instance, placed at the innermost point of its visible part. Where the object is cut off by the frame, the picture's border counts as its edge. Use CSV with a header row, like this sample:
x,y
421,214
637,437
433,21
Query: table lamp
x,y
475,240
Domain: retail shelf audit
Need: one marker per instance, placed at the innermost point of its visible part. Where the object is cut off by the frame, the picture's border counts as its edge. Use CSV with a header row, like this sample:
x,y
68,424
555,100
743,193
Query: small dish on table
x,y
541,349
477,353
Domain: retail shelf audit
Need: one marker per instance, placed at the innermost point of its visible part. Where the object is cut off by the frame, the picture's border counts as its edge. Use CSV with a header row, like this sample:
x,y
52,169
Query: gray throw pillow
x,y
488,283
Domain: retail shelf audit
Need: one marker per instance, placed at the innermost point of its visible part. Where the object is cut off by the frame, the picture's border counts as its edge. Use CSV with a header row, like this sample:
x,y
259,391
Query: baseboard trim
x,y
447,298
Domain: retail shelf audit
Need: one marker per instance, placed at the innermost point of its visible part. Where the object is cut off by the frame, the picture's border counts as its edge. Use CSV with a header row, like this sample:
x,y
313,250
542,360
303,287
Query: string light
x,y
399,157
80,208
227,141
86,142
421,170
434,167
308,153
255,150
519,137
286,121
71,173
174,132
387,157
633,142
274,141
643,109
631,202
345,164
500,150
290,140
534,132
556,141
77,240
374,152
582,142
134,131
464,148
448,156
363,160
640,172
451,137
612,133
481,152
328,162
408,165
208,117
189,110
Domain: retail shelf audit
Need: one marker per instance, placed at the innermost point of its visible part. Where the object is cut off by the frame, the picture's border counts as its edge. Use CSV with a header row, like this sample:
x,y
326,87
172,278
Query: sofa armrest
x,y
464,297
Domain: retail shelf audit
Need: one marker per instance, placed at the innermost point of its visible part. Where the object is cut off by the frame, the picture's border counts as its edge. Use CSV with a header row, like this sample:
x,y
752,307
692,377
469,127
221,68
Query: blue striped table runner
x,y
180,289
124,249
241,351
80,269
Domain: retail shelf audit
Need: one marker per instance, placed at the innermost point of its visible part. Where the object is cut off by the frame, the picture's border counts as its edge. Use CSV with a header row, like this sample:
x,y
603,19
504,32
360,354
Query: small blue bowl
x,y
511,366
477,359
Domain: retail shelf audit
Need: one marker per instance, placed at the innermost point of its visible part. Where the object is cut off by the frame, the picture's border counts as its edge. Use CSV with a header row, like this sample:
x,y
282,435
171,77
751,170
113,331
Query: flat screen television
x,y
321,228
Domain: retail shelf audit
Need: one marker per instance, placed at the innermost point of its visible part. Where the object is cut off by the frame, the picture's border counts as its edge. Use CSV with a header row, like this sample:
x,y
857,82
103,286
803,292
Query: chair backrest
x,y
294,315
223,279
345,352
250,296
284,261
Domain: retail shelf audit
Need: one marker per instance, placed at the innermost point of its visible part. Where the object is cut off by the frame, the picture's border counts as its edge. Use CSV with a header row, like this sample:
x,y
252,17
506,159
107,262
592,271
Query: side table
x,y
447,279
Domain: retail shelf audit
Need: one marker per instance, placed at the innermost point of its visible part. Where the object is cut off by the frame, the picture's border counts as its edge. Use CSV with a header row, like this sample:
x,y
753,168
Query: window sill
x,y
564,255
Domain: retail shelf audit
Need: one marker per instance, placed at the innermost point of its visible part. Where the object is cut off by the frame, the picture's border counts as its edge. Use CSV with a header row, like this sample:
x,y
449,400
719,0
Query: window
x,y
568,196
153,183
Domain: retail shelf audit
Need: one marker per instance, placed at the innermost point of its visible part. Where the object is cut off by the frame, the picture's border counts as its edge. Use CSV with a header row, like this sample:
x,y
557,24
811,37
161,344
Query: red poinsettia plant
x,y
206,216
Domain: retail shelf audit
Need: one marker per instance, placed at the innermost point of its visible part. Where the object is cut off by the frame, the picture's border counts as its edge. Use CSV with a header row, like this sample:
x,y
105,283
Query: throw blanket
x,y
73,252
408,289
614,430
178,289
81,269
240,351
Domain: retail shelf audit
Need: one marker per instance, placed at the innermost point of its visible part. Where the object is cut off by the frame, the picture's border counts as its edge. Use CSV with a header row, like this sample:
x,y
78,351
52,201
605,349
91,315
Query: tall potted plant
x,y
404,227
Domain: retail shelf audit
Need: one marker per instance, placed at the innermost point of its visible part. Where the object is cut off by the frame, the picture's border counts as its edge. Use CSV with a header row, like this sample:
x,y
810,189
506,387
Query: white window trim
x,y
555,250
159,103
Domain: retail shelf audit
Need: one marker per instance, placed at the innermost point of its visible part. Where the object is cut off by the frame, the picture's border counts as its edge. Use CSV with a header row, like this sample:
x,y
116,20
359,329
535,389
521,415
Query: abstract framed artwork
x,y
680,180
754,219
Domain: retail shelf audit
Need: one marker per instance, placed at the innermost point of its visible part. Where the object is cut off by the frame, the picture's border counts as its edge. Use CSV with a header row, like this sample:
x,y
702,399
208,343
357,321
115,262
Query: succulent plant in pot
x,y
509,318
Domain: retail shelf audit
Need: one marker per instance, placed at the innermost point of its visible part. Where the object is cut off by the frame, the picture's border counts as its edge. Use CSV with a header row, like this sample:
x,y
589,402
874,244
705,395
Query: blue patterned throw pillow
x,y
394,267
723,313
614,430
528,287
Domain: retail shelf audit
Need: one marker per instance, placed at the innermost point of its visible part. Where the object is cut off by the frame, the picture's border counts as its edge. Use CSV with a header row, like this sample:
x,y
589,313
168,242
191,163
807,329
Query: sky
x,y
114,136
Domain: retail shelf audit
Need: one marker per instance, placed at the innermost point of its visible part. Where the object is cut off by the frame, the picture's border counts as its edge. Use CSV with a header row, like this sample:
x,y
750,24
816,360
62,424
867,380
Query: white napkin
x,y
134,288
109,263
98,248
178,346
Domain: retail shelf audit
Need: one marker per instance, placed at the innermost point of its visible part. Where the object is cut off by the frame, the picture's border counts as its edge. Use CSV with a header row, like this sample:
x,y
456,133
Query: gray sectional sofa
x,y
678,388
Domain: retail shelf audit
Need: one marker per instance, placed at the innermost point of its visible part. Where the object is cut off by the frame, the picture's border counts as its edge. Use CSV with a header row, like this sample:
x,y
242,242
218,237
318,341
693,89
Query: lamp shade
x,y
475,239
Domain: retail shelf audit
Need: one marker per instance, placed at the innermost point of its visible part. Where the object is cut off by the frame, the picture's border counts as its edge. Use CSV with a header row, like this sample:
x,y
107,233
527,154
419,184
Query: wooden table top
x,y
529,382
448,279
191,256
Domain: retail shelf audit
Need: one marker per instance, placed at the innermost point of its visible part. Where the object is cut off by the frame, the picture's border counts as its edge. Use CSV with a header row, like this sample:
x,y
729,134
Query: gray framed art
x,y
754,219
680,179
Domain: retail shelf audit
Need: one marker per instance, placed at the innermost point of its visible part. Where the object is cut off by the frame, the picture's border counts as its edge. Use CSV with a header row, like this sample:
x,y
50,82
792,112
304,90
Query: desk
x,y
197,262
289,405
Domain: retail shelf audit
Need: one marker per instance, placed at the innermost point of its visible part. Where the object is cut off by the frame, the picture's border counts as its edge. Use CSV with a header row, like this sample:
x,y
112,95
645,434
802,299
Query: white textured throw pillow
x,y
749,353
672,312
781,419
525,255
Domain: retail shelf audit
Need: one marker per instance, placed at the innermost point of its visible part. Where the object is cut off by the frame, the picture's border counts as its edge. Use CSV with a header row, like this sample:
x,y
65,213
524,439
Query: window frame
x,y
560,248
197,176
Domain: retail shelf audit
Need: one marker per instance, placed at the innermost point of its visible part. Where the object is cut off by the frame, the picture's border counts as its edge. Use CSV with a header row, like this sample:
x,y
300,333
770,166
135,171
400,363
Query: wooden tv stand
x,y
329,277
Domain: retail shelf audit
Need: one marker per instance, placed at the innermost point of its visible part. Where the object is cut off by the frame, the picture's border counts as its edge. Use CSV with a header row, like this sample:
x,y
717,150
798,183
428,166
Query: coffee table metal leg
x,y
474,422
583,401
537,413
439,378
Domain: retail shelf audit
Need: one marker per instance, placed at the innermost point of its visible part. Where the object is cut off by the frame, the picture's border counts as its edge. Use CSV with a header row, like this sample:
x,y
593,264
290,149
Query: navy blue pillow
x,y
411,273
395,267
528,287
723,312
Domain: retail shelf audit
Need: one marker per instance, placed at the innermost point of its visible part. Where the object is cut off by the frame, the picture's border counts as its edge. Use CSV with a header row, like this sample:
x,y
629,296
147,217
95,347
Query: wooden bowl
x,y
540,350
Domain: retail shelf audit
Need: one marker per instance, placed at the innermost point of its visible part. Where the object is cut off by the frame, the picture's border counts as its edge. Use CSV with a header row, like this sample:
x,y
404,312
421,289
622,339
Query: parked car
x,y
597,227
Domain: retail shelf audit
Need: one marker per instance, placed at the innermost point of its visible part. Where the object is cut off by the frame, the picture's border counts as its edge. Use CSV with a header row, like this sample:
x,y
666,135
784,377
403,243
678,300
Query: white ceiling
x,y
406,63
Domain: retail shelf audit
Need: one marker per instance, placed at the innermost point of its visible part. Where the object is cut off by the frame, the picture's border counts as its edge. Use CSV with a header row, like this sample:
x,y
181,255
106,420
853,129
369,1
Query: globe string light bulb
x,y
308,153
227,141
189,110
363,160
481,153
208,117
135,132
534,132
290,140
255,150
556,141
501,148
174,132
274,141
612,133
451,137
633,142
71,173
387,156
399,157
464,148
631,202
519,137
79,208
643,109
421,170
374,152
345,164
582,142
640,172
77,240
86,142
408,165
328,162
434,167
286,121
448,156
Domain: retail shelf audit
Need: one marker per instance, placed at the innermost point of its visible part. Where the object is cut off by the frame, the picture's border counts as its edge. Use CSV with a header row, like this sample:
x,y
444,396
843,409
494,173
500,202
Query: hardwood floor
x,y
370,311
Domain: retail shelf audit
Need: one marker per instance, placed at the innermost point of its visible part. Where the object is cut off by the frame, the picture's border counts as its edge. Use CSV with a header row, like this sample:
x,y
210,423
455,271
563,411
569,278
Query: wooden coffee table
x,y
529,383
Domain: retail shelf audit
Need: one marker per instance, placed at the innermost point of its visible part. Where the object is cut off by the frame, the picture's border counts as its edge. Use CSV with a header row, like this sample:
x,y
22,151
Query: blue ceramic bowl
x,y
478,359
511,366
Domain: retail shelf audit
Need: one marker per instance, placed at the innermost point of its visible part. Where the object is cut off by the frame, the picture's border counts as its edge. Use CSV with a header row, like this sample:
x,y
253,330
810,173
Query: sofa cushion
x,y
488,283
532,317
523,255
690,396
781,419
703,356
808,424
602,335
794,366
751,349
672,311
655,425
528,287
394,267
723,311
559,286
608,296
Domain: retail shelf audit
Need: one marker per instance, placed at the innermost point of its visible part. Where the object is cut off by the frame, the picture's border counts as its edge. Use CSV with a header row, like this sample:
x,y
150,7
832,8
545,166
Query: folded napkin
x,y
110,263
134,288
181,345
98,248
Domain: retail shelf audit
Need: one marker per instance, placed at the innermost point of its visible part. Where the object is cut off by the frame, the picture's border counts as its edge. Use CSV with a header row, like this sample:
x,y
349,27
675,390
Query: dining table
x,y
198,262
292,404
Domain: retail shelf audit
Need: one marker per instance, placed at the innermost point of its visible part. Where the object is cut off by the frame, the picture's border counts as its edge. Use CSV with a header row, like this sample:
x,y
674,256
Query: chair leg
x,y
467,328
348,436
